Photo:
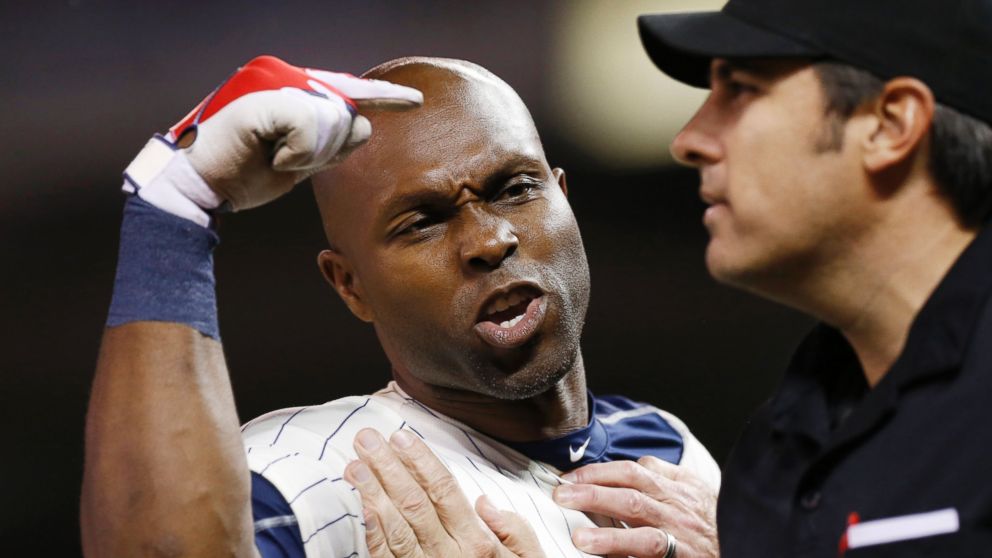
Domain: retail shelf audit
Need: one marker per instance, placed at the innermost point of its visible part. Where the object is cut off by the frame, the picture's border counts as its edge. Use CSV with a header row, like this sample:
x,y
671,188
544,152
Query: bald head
x,y
465,105
425,69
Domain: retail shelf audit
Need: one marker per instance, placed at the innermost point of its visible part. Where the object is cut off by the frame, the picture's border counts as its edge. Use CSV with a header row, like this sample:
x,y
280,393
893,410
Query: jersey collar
x,y
583,446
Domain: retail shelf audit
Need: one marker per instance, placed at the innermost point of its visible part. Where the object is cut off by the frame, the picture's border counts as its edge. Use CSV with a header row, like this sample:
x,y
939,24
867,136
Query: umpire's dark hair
x,y
960,145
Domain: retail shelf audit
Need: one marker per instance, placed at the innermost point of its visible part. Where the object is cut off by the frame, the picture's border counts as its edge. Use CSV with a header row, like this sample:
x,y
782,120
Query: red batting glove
x,y
264,130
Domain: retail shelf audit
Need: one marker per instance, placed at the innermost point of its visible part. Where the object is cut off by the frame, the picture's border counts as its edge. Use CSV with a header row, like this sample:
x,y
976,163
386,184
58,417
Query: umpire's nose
x,y
486,240
698,144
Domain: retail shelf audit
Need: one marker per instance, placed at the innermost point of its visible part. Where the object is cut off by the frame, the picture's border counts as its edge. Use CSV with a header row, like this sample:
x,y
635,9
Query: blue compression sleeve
x,y
164,270
277,534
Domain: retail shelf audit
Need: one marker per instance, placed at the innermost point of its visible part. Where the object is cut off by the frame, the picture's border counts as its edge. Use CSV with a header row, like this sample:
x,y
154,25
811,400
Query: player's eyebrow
x,y
439,197
519,163
412,200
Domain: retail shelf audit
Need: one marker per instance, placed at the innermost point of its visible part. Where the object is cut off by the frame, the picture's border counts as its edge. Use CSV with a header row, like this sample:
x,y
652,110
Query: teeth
x,y
504,302
498,305
513,322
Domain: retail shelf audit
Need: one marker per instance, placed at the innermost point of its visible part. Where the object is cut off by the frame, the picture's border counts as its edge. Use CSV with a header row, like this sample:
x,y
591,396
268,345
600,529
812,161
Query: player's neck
x,y
556,412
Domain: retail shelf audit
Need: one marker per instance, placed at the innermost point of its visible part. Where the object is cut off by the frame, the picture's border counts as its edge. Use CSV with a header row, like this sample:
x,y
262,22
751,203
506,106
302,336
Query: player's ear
x,y
902,114
341,276
559,175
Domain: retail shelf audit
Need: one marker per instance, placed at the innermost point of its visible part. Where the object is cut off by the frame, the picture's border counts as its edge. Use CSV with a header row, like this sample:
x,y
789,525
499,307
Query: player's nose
x,y
486,240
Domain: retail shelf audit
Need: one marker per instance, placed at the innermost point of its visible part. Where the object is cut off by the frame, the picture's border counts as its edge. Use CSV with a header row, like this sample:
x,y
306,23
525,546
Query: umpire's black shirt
x,y
826,446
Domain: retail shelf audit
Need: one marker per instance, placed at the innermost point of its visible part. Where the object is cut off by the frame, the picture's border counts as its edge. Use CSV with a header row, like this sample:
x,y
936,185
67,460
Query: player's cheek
x,y
547,228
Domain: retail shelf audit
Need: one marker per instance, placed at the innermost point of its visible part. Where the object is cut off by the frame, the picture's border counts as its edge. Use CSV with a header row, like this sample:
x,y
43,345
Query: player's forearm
x,y
165,470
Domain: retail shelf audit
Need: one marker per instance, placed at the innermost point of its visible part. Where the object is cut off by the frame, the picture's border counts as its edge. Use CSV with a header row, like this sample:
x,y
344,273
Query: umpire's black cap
x,y
947,44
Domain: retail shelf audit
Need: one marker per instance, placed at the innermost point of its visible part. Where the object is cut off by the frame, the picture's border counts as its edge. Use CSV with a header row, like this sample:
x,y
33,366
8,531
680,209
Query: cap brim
x,y
683,44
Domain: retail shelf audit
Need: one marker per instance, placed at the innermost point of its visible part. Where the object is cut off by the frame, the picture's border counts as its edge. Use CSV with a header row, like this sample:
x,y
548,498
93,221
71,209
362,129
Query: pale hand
x,y
414,508
652,497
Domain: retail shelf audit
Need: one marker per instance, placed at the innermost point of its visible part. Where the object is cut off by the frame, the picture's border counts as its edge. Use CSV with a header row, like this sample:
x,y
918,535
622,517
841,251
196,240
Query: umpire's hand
x,y
414,508
670,512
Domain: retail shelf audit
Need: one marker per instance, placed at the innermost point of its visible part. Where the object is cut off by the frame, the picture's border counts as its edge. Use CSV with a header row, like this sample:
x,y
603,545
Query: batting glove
x,y
261,132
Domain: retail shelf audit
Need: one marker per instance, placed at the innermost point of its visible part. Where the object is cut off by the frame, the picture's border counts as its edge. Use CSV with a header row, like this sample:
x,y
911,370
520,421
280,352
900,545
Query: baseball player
x,y
845,156
449,233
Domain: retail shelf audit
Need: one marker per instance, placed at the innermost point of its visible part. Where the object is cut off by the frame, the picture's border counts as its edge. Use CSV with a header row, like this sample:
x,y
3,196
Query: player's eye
x,y
421,225
520,190
418,224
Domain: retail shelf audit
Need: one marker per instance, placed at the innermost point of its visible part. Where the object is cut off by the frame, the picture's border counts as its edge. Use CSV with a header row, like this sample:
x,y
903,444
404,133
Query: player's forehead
x,y
457,110
458,137
458,140
461,100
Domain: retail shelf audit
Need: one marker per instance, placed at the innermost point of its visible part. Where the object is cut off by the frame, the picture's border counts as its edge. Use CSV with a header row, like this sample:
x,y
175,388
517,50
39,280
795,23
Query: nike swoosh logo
x,y
575,455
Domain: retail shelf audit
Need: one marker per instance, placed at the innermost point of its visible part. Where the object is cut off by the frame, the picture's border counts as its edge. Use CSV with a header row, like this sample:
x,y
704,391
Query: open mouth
x,y
512,317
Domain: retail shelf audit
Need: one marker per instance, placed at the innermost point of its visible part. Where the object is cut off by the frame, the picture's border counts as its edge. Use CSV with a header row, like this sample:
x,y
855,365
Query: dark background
x,y
84,85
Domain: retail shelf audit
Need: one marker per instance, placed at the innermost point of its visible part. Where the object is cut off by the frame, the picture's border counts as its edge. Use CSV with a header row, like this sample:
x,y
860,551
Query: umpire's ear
x,y
897,127
338,272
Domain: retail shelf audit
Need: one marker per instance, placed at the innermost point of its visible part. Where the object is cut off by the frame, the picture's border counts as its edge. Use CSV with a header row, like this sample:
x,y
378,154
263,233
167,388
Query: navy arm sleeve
x,y
277,534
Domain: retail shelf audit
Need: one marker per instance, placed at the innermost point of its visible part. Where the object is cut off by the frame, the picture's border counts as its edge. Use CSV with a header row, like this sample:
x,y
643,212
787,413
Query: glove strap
x,y
162,175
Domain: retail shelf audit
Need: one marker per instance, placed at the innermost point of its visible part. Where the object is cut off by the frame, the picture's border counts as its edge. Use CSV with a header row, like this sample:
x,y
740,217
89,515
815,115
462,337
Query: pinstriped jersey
x,y
302,452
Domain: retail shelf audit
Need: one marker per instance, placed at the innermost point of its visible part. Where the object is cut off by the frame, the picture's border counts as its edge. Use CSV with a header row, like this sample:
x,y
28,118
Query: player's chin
x,y
521,385
542,369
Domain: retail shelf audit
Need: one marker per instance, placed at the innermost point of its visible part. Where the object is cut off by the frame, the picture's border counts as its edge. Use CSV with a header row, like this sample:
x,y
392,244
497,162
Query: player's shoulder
x,y
307,414
625,417
325,420
622,412
609,404
617,409
303,451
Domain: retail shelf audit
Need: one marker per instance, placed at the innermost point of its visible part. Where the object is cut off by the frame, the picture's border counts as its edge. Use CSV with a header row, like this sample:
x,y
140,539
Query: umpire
x,y
845,156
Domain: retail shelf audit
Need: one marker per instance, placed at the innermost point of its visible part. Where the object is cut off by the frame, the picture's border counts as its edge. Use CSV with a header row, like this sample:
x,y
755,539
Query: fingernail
x,y
570,477
564,494
360,471
369,440
582,538
371,523
401,439
486,508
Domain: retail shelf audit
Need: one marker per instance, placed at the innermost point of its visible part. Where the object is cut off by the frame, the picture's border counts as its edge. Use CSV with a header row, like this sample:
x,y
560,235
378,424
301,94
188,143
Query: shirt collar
x,y
941,332
825,365
572,450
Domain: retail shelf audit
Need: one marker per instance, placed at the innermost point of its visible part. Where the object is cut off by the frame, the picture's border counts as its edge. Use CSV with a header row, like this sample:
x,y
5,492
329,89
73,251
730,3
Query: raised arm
x,y
165,471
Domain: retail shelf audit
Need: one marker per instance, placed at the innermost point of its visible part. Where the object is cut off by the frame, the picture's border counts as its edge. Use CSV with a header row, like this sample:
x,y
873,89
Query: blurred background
x,y
85,83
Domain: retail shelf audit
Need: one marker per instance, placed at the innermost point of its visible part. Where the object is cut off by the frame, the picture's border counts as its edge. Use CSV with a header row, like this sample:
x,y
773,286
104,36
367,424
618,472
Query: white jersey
x,y
303,453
